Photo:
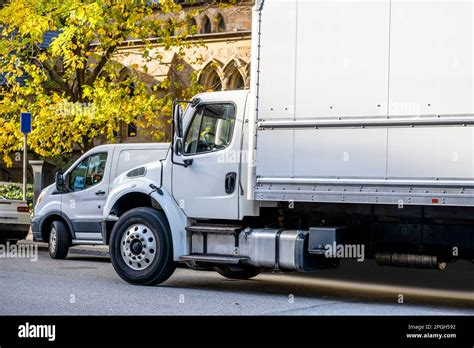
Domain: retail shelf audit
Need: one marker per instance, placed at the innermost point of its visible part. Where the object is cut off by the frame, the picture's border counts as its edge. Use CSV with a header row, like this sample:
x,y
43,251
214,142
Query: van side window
x,y
211,129
89,172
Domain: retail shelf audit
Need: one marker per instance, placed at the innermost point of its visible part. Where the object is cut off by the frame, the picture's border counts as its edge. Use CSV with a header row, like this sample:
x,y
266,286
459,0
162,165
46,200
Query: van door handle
x,y
230,180
100,193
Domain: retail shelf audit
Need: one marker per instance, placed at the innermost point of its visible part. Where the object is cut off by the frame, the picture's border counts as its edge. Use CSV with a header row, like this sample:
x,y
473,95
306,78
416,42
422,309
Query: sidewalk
x,y
99,250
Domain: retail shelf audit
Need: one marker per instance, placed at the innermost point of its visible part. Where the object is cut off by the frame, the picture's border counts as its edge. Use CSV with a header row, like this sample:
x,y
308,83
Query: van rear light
x,y
23,209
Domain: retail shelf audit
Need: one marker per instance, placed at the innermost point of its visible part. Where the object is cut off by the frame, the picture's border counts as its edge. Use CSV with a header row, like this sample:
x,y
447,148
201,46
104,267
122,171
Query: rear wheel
x,y
141,247
59,240
240,272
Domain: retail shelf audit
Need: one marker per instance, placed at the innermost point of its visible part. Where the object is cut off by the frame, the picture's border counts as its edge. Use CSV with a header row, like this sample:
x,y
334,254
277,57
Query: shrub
x,y
12,191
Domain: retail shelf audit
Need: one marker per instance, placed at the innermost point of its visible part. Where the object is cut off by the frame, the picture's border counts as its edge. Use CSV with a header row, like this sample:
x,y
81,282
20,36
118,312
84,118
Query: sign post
x,y
25,124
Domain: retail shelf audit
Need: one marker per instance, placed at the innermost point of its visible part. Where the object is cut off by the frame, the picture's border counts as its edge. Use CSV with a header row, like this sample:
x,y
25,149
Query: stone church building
x,y
220,56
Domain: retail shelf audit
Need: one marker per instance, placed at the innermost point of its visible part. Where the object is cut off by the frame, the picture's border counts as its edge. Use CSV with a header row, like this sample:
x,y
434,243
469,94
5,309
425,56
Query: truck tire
x,y
240,273
59,240
141,247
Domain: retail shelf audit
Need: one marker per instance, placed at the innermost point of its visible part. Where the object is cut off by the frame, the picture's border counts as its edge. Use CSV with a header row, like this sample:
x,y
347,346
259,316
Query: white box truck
x,y
357,131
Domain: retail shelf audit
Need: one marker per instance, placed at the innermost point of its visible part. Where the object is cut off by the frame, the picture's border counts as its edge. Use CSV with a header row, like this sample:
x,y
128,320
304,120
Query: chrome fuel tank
x,y
273,248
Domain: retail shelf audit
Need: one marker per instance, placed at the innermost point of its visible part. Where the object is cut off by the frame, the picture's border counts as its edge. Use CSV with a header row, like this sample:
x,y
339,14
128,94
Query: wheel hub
x,y
138,247
52,240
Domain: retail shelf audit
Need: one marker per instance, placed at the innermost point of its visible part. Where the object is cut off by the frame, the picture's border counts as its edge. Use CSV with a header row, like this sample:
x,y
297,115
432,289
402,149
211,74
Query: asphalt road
x,y
88,285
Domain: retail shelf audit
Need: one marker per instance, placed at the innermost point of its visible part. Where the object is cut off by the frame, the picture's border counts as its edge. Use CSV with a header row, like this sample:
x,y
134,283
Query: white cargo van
x,y
355,140
76,206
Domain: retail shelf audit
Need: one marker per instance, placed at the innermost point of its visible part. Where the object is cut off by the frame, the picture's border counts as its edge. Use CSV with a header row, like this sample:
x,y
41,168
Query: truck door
x,y
88,184
209,187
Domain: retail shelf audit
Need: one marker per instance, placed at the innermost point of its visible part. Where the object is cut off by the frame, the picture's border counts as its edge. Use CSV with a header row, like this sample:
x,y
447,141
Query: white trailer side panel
x,y
431,152
365,101
431,57
342,58
330,156
277,64
276,152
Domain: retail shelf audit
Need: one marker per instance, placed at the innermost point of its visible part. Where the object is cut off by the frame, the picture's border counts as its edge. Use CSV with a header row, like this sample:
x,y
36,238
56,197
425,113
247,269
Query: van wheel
x,y
241,273
141,247
59,240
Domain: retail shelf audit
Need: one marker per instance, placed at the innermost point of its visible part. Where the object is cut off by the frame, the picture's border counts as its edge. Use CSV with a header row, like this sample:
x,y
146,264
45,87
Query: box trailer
x,y
374,102
354,141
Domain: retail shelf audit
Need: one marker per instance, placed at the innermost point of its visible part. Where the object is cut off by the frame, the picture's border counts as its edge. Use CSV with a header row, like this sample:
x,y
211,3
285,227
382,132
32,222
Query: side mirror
x,y
178,147
178,119
60,182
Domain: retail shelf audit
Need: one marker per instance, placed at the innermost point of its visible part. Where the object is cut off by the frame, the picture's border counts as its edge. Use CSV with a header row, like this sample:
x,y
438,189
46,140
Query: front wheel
x,y
241,273
59,240
141,247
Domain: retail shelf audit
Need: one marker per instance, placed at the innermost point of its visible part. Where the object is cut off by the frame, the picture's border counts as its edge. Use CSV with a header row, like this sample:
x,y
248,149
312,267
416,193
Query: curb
x,y
74,250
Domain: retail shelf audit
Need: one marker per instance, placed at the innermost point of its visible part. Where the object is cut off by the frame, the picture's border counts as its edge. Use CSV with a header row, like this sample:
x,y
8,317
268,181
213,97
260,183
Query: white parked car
x,y
14,220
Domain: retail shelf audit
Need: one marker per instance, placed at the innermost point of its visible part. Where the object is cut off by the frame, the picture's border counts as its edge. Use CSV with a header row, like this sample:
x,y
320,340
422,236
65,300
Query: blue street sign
x,y
25,122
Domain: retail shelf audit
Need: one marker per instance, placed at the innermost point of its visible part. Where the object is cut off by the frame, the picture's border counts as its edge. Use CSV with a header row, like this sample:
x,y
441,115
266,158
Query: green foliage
x,y
75,89
11,191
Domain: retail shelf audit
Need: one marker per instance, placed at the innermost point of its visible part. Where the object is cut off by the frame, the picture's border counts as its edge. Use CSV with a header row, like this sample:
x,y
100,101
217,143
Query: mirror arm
x,y
186,163
173,149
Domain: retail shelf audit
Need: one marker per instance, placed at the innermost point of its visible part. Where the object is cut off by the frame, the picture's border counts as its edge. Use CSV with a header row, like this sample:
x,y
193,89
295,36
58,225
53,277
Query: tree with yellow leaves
x,y
56,61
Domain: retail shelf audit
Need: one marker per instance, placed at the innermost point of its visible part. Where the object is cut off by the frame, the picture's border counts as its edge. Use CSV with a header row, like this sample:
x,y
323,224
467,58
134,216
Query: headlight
x,y
40,197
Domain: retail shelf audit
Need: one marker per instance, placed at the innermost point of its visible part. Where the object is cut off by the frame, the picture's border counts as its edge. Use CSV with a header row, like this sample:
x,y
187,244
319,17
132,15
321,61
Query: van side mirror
x,y
60,182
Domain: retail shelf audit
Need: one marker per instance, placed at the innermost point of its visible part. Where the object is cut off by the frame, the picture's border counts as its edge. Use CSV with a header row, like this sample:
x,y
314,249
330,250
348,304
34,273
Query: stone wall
x,y
220,56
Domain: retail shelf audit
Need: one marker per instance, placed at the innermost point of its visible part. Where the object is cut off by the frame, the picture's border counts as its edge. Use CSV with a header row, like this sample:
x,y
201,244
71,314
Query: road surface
x,y
88,285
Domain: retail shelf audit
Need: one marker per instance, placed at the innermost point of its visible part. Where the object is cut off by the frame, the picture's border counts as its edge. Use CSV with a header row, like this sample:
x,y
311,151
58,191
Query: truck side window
x,y
211,128
89,172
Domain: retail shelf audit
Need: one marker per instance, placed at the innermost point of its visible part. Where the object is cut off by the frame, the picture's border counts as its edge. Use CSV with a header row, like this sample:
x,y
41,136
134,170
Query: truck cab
x,y
200,182
206,167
